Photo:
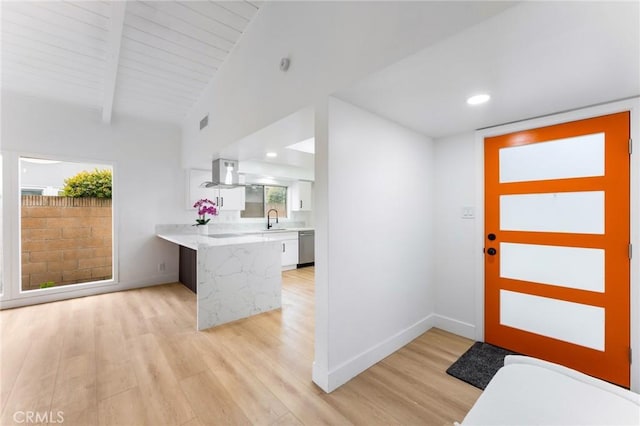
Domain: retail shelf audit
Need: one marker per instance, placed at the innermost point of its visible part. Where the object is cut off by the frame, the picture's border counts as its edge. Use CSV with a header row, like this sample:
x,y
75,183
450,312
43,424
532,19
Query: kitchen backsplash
x,y
230,221
234,217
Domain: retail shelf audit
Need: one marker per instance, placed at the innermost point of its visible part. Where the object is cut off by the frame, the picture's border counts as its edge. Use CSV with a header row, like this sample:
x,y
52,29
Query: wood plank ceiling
x,y
145,58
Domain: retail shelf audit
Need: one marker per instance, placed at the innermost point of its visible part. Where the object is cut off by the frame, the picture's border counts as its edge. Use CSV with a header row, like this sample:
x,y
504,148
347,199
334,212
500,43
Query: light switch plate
x,y
468,212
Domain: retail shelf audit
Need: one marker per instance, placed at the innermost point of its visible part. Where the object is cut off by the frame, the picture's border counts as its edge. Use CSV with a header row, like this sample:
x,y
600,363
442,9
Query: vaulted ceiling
x,y
144,58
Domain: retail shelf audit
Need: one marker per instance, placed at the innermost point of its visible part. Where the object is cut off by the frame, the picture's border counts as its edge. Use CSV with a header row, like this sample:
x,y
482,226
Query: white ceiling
x,y
275,138
155,58
145,58
534,59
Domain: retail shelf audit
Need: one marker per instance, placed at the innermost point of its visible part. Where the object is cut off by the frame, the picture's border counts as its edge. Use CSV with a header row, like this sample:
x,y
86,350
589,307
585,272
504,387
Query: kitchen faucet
x,y
269,225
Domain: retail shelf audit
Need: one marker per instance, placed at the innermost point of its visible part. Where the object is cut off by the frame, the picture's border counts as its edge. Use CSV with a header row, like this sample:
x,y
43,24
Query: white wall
x,y
375,180
454,259
253,169
148,181
331,44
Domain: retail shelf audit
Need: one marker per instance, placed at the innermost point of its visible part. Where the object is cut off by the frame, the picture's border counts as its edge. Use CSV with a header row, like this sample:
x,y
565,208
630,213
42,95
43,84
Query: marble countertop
x,y
224,238
264,231
195,241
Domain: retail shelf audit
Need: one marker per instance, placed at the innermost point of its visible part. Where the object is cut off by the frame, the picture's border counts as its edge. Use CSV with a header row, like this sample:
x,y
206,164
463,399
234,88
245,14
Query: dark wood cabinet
x,y
188,272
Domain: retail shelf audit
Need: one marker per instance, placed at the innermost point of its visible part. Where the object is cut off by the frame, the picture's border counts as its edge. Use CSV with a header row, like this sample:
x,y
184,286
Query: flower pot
x,y
203,229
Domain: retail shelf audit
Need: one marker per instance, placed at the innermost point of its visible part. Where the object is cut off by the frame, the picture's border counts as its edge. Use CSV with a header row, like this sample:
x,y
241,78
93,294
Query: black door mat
x,y
479,364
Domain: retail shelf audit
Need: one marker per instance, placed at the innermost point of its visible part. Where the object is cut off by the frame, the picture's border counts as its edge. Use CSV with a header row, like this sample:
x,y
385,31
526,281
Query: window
x,y
259,199
66,227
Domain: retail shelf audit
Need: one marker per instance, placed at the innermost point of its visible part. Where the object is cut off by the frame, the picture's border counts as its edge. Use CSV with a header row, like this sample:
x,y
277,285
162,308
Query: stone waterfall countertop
x,y
237,280
237,274
219,239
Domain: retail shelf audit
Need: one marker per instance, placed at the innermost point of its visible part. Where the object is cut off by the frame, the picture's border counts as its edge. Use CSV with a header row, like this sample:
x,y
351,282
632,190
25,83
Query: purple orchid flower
x,y
205,207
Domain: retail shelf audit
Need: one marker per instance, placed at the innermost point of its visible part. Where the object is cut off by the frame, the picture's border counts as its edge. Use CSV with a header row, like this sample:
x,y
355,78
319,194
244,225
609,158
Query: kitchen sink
x,y
274,229
225,235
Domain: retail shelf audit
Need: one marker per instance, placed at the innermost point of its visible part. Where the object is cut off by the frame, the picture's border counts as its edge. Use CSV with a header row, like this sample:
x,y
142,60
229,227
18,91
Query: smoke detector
x,y
284,64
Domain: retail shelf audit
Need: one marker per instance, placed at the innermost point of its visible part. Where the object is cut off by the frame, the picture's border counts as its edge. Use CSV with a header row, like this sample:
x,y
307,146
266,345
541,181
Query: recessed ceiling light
x,y
478,99
272,154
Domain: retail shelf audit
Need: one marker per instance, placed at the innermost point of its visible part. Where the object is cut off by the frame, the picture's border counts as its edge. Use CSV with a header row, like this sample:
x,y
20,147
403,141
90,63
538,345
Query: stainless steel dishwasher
x,y
306,251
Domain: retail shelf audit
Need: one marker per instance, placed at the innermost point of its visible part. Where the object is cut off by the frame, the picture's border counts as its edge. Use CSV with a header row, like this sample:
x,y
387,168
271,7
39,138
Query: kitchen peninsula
x,y
237,275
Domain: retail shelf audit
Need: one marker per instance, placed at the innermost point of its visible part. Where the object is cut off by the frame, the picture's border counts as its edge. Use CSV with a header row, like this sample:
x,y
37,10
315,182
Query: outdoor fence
x,y
65,240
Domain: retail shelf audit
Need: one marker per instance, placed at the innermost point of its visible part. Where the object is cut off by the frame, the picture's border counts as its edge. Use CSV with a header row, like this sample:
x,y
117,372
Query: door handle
x,y
491,251
221,201
300,203
283,247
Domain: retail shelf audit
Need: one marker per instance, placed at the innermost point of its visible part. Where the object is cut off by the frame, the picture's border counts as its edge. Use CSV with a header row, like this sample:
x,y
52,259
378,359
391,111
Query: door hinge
x,y
630,146
630,251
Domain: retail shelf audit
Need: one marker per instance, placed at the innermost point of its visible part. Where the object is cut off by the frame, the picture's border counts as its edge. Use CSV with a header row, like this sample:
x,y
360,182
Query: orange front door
x,y
557,268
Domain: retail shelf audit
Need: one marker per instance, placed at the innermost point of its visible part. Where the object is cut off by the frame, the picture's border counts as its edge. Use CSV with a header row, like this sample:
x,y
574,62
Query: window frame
x,y
12,293
264,201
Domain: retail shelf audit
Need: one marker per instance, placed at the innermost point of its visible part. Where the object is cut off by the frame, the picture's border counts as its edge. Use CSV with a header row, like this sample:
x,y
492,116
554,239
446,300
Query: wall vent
x,y
204,122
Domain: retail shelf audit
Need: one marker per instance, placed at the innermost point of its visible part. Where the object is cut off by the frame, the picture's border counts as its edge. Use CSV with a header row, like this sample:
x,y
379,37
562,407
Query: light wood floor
x,y
134,358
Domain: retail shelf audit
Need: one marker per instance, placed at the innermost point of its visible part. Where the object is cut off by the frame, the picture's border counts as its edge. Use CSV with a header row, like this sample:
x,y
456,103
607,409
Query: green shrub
x,y
85,184
276,195
48,284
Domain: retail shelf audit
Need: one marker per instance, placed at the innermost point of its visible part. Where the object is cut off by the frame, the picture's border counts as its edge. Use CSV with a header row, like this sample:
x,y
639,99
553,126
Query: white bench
x,y
529,391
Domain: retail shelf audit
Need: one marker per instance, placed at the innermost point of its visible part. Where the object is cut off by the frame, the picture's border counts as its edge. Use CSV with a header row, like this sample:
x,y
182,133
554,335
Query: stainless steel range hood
x,y
224,174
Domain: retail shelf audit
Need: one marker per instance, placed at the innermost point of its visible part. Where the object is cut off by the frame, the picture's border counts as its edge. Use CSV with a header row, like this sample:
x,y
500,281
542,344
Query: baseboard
x,y
356,365
455,326
91,290
151,281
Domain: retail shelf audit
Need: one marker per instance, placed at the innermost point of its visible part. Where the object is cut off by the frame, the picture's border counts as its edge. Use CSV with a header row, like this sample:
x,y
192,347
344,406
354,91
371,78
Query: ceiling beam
x,y
114,40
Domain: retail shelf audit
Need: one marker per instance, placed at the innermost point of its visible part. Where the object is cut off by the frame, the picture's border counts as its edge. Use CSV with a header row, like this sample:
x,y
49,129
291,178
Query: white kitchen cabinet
x,y
289,254
231,198
301,196
289,247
